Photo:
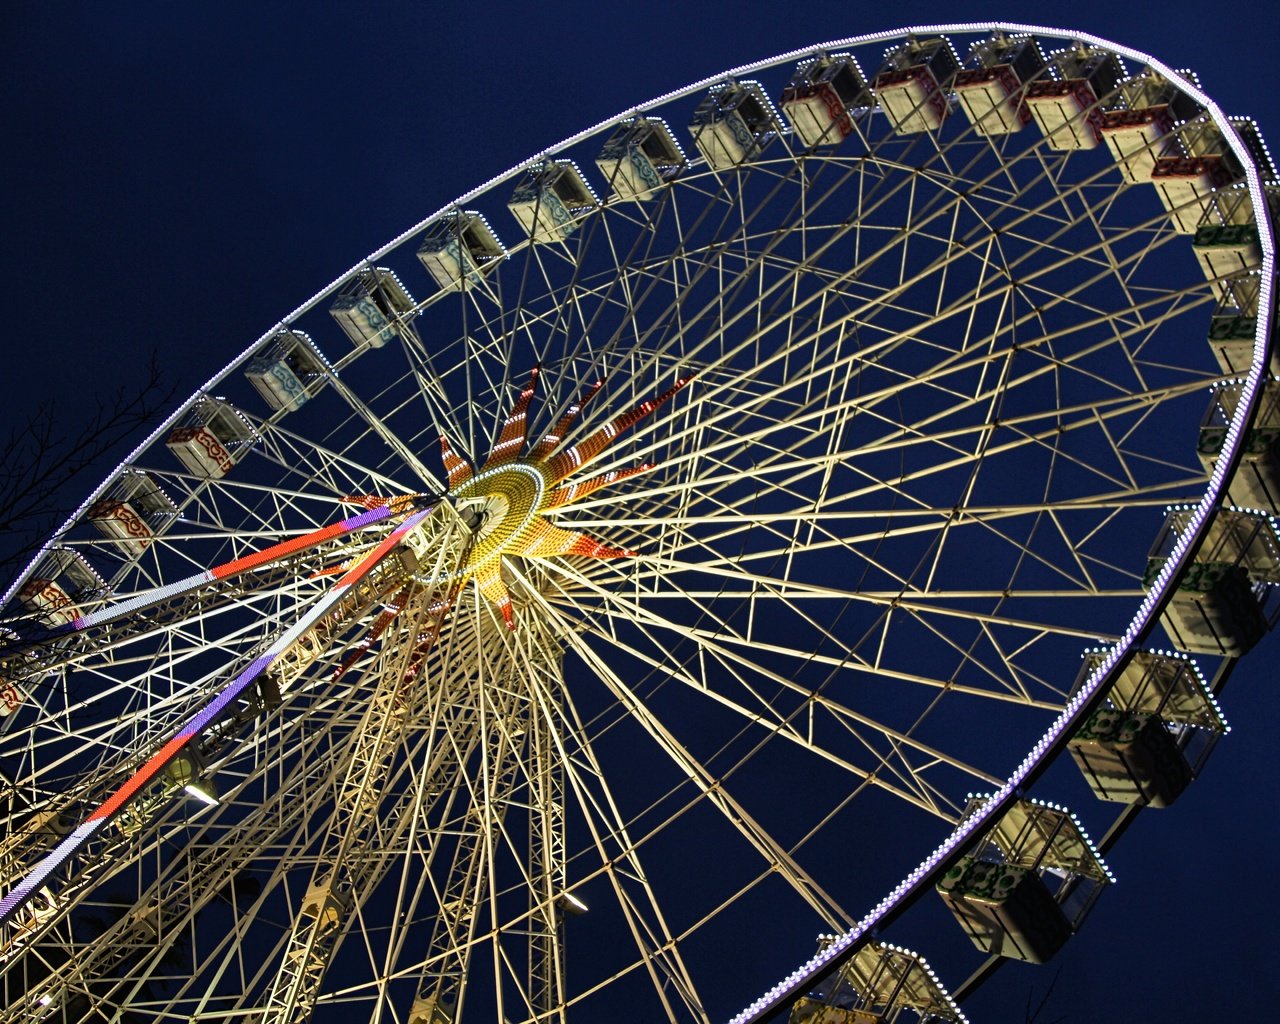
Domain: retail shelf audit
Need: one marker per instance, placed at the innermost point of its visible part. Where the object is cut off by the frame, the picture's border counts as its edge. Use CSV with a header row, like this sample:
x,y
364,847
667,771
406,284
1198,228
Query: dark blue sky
x,y
177,179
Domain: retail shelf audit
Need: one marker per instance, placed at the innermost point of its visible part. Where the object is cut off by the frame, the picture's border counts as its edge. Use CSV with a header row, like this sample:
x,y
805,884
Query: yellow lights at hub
x,y
515,492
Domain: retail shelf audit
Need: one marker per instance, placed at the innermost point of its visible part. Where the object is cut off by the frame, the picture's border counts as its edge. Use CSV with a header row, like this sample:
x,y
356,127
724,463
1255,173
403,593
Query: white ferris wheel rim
x,y
1149,608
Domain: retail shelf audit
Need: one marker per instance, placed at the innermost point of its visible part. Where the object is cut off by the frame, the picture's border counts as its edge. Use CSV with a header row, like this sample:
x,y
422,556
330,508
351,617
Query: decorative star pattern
x,y
513,491
516,488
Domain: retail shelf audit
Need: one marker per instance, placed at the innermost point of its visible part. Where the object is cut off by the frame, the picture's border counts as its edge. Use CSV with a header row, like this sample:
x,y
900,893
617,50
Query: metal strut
x,y
59,864
344,875
492,721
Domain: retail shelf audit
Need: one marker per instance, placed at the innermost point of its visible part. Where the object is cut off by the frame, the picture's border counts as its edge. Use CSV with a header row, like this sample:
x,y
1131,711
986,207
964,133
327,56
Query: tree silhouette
x,y
48,465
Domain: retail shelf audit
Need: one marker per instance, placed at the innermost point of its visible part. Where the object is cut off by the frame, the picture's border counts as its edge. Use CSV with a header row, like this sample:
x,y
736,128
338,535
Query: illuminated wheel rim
x,y
906,466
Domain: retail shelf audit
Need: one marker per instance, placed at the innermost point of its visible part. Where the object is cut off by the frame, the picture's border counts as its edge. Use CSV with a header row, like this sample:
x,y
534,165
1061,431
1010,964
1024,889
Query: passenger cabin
x,y
1232,330
1235,203
824,97
60,582
1242,292
11,694
1137,139
459,249
876,985
1029,883
288,371
640,157
1226,252
734,122
551,199
212,438
1153,735
1201,136
1196,184
1222,605
1141,131
1148,88
132,512
912,82
1186,187
1256,483
990,86
373,307
1067,107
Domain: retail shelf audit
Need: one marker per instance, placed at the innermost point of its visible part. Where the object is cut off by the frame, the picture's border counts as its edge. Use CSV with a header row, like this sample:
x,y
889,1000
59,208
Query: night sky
x,y
178,177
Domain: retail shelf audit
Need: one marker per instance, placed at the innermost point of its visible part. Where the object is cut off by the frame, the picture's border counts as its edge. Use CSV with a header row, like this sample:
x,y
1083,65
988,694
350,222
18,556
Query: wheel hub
x,y
516,490
512,498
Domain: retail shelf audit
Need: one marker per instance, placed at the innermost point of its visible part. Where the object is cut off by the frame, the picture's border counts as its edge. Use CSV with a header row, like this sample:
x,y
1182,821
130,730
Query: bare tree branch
x,y
45,471
1034,1015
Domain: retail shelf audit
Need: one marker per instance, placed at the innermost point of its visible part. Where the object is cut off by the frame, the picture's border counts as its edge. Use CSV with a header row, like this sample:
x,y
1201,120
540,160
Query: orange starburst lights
x,y
518,490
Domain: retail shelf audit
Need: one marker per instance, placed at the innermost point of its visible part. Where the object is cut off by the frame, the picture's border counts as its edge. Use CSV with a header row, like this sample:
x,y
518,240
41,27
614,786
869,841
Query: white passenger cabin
x,y
1067,106
874,986
912,82
1140,131
212,438
639,157
19,671
1028,884
1227,252
373,307
824,98
551,199
1201,184
734,122
1186,187
1224,601
59,583
459,249
1231,337
288,371
1152,734
132,512
1256,483
991,86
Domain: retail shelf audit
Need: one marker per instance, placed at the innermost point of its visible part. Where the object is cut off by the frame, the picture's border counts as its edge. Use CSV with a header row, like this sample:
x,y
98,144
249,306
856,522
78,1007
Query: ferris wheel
x,y
630,572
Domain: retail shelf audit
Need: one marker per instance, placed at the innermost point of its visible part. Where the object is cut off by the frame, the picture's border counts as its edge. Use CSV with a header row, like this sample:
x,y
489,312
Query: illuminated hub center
x,y
512,500
520,483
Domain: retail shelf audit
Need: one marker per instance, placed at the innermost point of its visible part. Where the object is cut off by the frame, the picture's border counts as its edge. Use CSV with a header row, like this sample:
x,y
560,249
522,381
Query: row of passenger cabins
x,y
1033,875
1157,134
1004,85
1021,893
1078,97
